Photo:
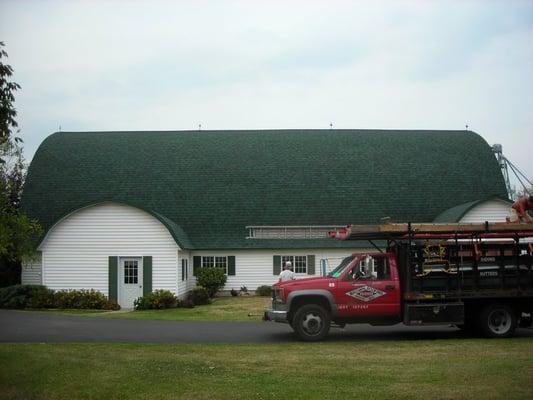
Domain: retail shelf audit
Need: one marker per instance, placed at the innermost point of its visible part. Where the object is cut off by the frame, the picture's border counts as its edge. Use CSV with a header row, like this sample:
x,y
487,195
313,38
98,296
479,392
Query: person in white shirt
x,y
287,274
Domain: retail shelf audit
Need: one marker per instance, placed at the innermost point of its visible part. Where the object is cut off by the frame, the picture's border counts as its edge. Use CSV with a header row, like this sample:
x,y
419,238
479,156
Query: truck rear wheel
x,y
311,323
497,321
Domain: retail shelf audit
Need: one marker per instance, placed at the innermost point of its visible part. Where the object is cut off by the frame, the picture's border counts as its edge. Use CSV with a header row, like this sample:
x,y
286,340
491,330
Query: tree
x,y
16,229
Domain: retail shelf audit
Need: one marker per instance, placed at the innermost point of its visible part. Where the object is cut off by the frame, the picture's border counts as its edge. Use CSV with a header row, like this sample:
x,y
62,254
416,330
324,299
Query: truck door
x,y
370,289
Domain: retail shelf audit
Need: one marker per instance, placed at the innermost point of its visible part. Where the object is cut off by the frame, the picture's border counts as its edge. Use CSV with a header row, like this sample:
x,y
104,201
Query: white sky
x,y
151,65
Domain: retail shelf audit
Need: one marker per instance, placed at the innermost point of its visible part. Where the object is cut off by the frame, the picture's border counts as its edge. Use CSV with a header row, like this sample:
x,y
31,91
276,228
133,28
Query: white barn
x,y
130,212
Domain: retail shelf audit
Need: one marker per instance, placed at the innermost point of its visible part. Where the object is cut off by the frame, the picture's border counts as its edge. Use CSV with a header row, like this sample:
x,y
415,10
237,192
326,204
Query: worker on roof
x,y
518,212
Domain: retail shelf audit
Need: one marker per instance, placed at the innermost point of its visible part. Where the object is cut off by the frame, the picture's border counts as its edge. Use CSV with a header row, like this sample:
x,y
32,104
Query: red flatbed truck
x,y
478,277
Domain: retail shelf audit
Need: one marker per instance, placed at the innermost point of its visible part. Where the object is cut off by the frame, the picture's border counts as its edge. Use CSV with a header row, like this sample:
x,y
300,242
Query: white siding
x,y
31,273
184,285
254,268
491,211
76,250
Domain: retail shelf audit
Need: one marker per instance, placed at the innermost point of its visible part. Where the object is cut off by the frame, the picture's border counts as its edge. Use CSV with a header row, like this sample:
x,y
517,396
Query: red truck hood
x,y
303,282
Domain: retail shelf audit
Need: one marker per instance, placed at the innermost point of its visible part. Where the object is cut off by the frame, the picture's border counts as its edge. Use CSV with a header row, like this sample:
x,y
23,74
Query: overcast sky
x,y
155,65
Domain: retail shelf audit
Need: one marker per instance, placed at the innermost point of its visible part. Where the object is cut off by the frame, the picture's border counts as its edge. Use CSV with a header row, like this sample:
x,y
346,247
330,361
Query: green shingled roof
x,y
205,187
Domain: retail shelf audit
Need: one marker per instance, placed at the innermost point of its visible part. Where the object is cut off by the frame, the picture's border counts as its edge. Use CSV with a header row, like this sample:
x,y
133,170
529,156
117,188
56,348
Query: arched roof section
x,y
175,230
455,214
212,184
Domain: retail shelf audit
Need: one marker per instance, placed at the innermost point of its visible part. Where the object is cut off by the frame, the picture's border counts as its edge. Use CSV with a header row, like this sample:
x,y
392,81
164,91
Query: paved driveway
x,y
43,327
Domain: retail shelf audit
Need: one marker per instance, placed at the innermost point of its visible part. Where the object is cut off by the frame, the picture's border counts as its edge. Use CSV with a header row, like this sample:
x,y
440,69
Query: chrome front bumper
x,y
275,315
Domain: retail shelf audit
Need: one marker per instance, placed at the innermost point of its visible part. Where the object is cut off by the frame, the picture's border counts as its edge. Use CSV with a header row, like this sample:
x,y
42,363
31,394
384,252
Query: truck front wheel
x,y
497,321
311,323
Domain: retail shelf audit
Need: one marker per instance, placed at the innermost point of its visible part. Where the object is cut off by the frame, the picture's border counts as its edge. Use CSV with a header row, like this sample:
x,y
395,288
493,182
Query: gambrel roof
x,y
207,186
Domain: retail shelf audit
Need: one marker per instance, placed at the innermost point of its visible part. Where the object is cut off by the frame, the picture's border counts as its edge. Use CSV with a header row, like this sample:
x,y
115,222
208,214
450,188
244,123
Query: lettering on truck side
x,y
352,306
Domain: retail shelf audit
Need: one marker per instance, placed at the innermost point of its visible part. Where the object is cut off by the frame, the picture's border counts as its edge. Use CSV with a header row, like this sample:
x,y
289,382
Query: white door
x,y
130,280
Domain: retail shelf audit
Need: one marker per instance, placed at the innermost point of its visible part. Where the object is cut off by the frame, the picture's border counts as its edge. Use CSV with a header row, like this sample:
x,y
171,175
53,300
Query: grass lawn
x,y
242,308
417,369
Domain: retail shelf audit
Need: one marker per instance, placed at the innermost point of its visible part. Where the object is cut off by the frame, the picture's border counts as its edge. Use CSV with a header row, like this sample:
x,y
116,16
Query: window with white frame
x,y
215,261
299,263
184,269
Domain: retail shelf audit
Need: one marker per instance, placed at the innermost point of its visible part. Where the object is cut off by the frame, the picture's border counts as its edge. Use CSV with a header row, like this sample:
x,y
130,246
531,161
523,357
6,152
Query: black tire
x,y
497,321
311,323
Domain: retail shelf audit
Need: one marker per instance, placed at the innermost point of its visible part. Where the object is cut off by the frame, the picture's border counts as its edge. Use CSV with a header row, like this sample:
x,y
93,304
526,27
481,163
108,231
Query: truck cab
x,y
364,288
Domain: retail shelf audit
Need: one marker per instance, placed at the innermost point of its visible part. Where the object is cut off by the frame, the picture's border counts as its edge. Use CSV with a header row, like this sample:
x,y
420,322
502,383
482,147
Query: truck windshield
x,y
338,271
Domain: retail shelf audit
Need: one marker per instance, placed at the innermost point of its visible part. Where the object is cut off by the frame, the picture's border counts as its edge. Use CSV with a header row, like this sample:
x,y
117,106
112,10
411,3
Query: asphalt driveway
x,y
43,327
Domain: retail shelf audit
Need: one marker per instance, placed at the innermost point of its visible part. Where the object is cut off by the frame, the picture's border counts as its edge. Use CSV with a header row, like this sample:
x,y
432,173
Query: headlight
x,y
279,295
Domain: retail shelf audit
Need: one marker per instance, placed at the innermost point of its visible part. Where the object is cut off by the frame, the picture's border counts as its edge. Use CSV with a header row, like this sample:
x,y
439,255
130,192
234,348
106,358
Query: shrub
x,y
212,279
234,293
80,299
162,299
111,305
42,298
264,290
37,296
141,303
198,296
156,300
186,303
65,299
26,296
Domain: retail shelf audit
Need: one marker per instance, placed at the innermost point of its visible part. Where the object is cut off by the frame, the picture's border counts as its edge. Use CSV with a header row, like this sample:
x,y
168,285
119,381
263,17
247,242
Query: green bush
x,y
212,279
80,299
186,303
141,303
42,298
156,300
37,296
264,290
198,296
111,305
26,296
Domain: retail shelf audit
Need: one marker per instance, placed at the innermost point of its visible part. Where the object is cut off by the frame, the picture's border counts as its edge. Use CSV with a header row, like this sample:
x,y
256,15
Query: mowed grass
x,y
416,369
242,308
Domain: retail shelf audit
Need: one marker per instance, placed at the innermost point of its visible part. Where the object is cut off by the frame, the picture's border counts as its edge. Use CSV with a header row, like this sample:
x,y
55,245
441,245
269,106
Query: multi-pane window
x,y
208,261
131,272
221,262
215,261
299,263
184,269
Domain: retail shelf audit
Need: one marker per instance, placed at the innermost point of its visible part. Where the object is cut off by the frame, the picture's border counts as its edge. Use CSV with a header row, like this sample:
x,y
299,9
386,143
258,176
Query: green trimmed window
x,y
215,262
299,263
226,263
